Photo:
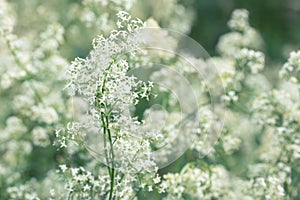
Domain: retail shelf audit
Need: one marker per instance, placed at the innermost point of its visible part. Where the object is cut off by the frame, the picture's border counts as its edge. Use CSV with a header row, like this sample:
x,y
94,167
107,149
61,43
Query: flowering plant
x,y
143,112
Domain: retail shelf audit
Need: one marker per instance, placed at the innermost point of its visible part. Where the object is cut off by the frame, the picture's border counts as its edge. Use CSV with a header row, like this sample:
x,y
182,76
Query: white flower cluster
x,y
52,38
206,135
196,183
240,61
81,183
291,69
22,192
84,74
278,112
269,181
7,19
239,20
274,107
250,59
169,13
103,82
230,143
242,35
31,82
51,188
227,71
100,18
40,137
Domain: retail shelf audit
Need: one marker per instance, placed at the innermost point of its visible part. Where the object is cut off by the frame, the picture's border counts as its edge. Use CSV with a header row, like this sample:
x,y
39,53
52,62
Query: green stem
x,y
105,144
112,181
112,160
107,133
110,141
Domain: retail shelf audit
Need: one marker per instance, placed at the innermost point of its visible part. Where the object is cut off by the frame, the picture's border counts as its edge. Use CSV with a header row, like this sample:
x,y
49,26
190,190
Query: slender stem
x,y
112,181
107,133
112,159
105,144
110,141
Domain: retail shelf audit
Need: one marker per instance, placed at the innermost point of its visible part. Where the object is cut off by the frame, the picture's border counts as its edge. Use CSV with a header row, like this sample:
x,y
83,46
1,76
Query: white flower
x,y
63,168
291,69
86,187
254,60
156,180
230,97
